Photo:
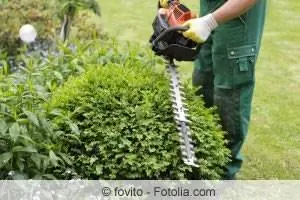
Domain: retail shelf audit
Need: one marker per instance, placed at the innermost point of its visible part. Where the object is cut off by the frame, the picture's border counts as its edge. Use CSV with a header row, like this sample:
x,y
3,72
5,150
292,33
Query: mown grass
x,y
272,150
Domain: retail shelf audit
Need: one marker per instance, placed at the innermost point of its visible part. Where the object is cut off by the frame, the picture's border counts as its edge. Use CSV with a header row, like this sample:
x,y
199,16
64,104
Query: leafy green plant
x,y
26,139
29,146
118,124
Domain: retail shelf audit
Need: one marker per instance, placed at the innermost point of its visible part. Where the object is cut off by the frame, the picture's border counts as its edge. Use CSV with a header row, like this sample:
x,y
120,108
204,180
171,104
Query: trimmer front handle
x,y
171,44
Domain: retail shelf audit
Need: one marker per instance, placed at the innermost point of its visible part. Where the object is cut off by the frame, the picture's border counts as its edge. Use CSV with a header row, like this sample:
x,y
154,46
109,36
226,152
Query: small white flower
x,y
27,33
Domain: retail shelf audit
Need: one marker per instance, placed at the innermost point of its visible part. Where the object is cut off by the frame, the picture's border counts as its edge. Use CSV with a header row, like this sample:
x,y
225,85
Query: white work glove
x,y
163,3
200,28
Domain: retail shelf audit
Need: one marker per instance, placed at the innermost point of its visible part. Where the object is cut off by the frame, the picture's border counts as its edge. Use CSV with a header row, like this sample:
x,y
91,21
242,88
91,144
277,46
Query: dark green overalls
x,y
225,70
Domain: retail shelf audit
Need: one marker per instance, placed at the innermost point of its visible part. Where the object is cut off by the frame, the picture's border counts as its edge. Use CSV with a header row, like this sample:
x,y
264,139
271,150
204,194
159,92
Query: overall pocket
x,y
242,60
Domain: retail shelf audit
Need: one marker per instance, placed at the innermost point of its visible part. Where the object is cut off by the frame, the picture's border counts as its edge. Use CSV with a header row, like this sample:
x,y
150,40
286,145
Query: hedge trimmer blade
x,y
181,118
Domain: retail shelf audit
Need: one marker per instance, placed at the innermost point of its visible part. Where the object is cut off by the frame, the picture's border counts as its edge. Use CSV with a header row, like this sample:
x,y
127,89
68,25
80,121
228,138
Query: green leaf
x,y
45,124
73,136
27,139
22,121
5,158
19,176
58,75
14,131
45,163
53,158
74,128
32,117
49,176
99,169
56,112
3,127
27,149
36,159
20,164
65,158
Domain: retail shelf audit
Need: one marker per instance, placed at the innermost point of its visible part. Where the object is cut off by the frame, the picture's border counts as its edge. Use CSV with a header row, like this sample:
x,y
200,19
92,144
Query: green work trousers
x,y
225,70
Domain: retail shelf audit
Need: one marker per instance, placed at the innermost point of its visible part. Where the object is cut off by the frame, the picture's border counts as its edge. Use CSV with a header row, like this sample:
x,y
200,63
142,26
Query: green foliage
x,y
118,124
26,136
28,143
114,121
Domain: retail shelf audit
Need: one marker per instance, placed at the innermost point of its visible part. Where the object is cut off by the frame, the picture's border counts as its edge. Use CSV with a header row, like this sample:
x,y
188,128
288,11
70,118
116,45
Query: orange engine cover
x,y
178,14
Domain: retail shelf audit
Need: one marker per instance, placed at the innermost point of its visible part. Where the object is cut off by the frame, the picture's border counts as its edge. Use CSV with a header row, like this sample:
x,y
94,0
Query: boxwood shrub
x,y
117,123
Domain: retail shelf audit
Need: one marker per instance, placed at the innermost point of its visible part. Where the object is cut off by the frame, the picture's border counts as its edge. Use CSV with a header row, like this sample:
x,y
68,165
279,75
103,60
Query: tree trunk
x,y
65,28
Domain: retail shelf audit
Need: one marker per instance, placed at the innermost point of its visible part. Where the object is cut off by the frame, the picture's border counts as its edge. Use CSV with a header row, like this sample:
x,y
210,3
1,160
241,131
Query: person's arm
x,y
201,28
232,9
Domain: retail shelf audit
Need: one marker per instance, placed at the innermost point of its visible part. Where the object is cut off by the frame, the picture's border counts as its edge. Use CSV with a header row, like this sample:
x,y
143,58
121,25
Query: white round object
x,y
27,33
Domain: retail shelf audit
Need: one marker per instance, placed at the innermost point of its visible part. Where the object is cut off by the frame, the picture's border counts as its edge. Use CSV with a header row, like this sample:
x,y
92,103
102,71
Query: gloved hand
x,y
200,28
163,3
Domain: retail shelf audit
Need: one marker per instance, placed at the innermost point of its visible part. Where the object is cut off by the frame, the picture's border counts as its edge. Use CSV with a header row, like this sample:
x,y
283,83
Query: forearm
x,y
232,9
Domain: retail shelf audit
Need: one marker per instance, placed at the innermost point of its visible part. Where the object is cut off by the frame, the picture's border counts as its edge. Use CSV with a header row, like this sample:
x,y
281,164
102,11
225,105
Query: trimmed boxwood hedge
x,y
117,123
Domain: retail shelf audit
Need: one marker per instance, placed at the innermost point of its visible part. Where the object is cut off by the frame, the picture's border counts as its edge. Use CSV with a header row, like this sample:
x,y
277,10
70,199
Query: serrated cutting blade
x,y
181,117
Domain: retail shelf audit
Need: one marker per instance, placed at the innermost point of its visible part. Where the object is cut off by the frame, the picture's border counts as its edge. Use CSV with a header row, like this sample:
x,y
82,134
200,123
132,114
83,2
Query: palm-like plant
x,y
69,9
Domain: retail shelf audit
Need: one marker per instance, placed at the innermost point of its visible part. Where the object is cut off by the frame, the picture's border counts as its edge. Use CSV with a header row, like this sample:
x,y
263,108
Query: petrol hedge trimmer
x,y
168,42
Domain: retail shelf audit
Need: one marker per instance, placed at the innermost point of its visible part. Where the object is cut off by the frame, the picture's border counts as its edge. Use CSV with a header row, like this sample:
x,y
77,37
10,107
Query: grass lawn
x,y
272,150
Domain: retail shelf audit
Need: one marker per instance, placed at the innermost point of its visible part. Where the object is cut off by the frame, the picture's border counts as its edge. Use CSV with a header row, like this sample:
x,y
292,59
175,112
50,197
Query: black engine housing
x,y
170,43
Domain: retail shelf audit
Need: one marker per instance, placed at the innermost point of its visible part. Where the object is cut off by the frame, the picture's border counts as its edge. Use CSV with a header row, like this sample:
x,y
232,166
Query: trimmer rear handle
x,y
168,31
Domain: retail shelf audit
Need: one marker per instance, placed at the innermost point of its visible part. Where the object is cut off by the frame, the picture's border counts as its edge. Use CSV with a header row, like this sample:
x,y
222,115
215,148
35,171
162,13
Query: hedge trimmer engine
x,y
167,41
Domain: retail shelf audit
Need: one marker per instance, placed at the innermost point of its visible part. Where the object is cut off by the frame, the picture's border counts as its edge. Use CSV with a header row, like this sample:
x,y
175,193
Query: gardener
x,y
231,34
